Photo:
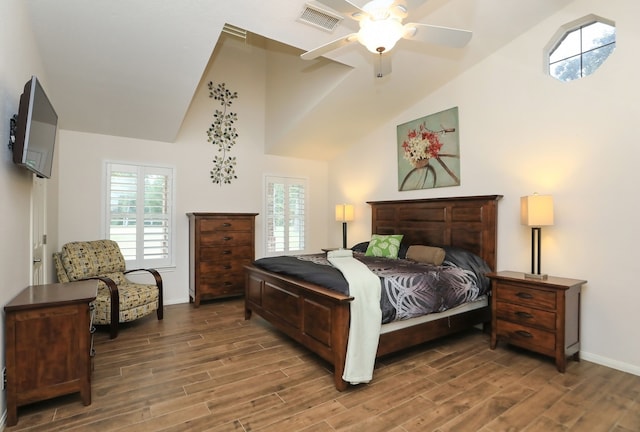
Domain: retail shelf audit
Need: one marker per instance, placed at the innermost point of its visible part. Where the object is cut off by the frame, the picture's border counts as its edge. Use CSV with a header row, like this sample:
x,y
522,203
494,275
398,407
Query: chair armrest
x,y
154,272
114,294
158,278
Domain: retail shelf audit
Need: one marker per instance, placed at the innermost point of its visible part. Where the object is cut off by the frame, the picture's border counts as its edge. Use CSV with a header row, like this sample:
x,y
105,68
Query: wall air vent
x,y
235,31
320,18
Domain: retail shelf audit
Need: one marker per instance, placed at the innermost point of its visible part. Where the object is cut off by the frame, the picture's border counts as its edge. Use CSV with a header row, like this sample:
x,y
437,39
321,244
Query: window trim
x,y
289,180
170,262
562,32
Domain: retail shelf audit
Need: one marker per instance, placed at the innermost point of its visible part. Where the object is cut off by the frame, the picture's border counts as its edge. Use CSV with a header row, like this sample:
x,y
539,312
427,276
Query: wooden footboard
x,y
316,317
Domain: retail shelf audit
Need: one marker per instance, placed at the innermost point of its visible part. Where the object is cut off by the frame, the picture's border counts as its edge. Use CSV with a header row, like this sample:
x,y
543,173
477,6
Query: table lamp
x,y
344,214
536,211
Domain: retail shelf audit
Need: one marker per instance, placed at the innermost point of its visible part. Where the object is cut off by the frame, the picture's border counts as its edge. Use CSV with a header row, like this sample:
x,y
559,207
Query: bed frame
x,y
318,318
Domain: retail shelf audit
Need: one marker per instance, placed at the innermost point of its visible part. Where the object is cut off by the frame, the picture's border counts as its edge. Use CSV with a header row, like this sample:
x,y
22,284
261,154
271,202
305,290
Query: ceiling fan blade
x,y
323,49
345,7
410,5
437,35
382,66
401,8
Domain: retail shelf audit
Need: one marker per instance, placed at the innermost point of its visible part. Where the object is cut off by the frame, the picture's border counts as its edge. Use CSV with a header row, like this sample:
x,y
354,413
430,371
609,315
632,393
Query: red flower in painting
x,y
421,145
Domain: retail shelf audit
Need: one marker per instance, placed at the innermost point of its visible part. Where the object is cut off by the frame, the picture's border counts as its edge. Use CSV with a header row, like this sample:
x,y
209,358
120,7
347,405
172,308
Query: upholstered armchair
x,y
118,299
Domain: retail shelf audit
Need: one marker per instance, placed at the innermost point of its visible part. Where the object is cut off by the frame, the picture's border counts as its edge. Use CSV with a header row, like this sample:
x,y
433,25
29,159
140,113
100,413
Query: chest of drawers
x,y
538,315
220,245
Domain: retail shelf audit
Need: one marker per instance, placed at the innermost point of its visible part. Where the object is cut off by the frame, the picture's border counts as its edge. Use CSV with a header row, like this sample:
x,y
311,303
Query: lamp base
x,y
536,276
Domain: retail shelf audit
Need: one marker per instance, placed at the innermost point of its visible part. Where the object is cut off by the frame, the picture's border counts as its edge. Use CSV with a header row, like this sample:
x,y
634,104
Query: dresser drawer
x,y
525,315
221,267
226,224
522,295
531,338
221,238
221,286
214,254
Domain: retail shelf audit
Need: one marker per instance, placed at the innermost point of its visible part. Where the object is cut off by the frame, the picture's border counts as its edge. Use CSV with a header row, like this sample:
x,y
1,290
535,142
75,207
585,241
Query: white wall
x,y
240,67
524,132
20,60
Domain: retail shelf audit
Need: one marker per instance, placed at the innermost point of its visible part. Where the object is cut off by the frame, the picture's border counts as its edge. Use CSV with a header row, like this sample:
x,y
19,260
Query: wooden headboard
x,y
470,223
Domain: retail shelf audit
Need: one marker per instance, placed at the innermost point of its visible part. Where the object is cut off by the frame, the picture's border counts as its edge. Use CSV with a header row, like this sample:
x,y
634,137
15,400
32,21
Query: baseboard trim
x,y
608,362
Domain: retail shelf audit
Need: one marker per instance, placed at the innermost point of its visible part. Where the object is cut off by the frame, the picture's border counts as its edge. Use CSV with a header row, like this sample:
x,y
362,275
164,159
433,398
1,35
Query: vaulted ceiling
x,y
131,67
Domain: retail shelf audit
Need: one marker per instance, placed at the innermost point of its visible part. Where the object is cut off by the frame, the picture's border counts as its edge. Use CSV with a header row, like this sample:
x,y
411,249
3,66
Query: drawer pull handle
x,y
524,295
227,283
227,238
226,252
523,333
525,315
227,267
226,224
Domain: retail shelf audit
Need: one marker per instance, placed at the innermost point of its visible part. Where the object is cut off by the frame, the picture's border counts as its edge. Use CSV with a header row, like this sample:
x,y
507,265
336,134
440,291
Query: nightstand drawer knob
x,y
524,295
525,315
523,333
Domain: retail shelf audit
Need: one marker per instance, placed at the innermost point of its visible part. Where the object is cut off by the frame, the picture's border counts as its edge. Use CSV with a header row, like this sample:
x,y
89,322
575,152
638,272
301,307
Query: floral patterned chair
x,y
118,299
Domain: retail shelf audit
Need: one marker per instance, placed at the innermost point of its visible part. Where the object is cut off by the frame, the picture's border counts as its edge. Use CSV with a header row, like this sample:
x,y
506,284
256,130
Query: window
x,y
285,207
139,213
581,50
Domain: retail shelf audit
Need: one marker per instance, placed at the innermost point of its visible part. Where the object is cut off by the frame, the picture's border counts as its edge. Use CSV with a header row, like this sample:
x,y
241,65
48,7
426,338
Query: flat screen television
x,y
35,130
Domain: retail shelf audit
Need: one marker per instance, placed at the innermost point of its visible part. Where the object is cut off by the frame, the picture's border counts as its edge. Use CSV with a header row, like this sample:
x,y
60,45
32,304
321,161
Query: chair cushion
x,y
93,258
136,301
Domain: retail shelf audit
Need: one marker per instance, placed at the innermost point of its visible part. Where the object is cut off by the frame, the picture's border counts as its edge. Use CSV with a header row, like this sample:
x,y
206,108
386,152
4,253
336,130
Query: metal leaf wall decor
x,y
223,134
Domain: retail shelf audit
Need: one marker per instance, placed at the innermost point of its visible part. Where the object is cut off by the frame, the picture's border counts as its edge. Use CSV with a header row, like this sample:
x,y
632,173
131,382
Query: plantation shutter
x,y
285,203
139,213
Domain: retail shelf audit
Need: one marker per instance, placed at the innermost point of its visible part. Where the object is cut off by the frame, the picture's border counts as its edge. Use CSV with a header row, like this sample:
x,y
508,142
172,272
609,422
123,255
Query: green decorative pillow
x,y
384,245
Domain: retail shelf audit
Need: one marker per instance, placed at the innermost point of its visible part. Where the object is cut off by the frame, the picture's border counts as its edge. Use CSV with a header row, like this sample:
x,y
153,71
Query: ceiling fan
x,y
381,27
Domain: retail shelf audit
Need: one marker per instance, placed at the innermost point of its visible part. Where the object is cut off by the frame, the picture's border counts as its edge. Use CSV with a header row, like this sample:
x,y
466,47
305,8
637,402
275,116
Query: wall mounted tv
x,y
35,130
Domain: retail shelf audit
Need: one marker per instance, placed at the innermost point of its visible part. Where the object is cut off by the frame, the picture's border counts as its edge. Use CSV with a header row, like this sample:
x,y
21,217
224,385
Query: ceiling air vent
x,y
320,18
234,31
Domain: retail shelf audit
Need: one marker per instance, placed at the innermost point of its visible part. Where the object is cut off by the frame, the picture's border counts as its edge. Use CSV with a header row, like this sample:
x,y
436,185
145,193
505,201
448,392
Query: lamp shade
x,y
536,210
344,212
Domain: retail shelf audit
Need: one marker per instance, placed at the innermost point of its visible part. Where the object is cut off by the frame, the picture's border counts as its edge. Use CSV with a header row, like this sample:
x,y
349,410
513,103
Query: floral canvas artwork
x,y
429,152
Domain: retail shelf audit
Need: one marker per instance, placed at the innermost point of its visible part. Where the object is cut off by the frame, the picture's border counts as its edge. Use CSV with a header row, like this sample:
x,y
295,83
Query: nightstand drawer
x,y
537,340
526,315
521,294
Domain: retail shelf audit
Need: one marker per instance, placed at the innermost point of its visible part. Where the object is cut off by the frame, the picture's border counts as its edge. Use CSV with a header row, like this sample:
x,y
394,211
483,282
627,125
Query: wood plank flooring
x,y
207,369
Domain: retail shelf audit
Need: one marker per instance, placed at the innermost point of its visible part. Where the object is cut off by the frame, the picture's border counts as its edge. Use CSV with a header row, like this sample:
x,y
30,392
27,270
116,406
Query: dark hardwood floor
x,y
207,369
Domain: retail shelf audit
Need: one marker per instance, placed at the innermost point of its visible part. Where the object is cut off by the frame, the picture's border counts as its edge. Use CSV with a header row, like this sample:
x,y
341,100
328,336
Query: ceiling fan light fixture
x,y
380,35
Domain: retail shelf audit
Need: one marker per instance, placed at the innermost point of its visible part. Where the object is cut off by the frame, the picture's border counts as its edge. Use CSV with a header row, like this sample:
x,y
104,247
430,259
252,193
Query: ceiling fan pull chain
x,y
380,51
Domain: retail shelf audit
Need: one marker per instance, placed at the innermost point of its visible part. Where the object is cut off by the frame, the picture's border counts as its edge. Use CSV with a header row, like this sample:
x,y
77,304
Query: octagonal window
x,y
579,48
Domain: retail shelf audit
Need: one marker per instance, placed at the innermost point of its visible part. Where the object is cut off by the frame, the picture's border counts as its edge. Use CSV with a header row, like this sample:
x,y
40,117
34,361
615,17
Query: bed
x,y
318,317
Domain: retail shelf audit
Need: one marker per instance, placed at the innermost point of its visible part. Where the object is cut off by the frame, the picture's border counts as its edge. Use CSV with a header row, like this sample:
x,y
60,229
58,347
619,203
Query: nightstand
x,y
538,315
49,343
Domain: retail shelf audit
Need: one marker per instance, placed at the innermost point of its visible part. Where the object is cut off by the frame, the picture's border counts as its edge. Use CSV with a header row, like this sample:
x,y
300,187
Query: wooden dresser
x,y
539,315
49,337
220,245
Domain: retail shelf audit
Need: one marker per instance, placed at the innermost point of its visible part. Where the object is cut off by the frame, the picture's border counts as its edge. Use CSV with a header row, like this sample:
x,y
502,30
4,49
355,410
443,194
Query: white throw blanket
x,y
366,316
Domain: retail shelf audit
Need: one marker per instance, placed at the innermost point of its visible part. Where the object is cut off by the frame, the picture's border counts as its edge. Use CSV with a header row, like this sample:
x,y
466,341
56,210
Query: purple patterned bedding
x,y
409,289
